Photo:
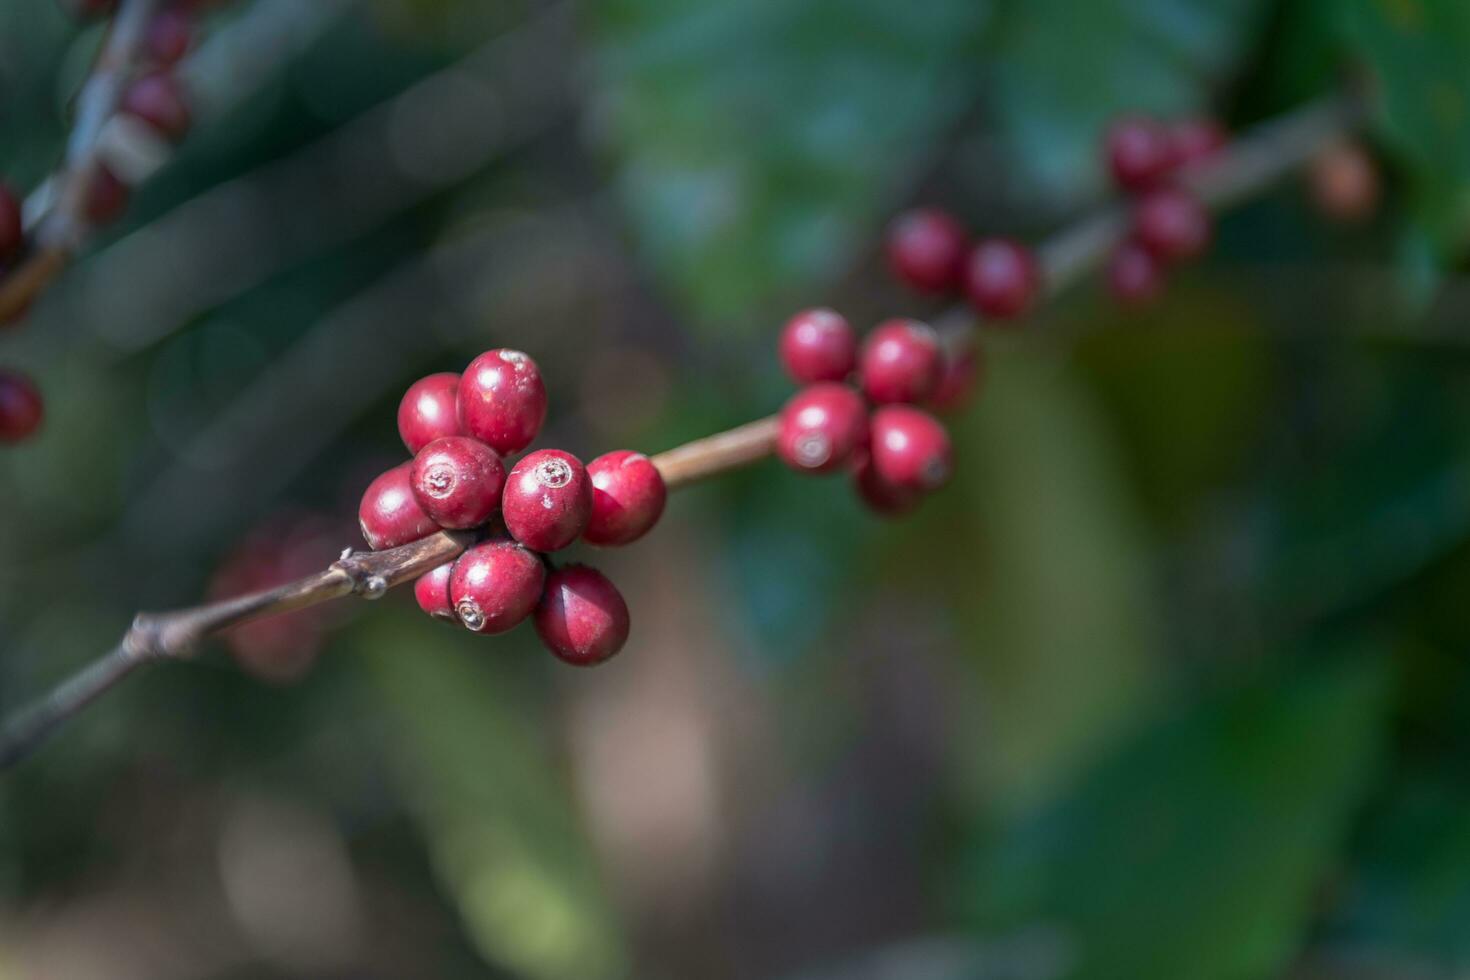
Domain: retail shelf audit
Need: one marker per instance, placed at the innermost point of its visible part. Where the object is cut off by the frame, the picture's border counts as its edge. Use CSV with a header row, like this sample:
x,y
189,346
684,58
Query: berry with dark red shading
x,y
548,500
1343,180
910,448
628,496
169,35
107,196
457,481
431,591
495,585
582,617
389,515
1172,224
12,235
1196,140
881,496
818,345
1140,152
429,410
901,362
21,407
926,249
1134,276
502,400
1001,278
158,100
821,427
961,378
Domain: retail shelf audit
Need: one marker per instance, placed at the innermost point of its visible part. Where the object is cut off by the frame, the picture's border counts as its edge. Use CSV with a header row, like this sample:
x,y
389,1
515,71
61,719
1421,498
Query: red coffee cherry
x,y
926,250
548,500
1196,140
1343,180
821,427
12,235
1140,152
495,585
21,407
1001,278
628,496
1134,276
502,401
169,35
582,617
818,345
962,371
158,100
389,515
910,448
432,593
1172,224
882,497
107,196
429,410
901,362
457,481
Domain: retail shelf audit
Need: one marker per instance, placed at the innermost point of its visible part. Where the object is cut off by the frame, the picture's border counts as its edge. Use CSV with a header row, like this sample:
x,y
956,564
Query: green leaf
x,y
1194,852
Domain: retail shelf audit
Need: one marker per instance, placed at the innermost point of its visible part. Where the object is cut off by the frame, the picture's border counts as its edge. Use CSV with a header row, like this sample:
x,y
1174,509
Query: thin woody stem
x,y
1248,166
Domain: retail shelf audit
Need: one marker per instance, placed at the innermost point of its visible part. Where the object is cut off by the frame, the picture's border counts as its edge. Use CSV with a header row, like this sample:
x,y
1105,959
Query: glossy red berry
x,y
1001,278
818,345
1344,182
881,496
389,515
158,100
1172,224
1197,139
902,361
962,372
495,585
431,591
821,427
1134,276
582,617
502,401
429,410
1140,152
910,448
628,496
21,407
548,500
12,235
107,196
169,35
926,249
457,481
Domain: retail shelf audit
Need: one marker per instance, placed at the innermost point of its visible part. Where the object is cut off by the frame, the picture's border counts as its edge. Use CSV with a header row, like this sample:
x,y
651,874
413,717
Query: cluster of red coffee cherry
x,y
460,428
154,97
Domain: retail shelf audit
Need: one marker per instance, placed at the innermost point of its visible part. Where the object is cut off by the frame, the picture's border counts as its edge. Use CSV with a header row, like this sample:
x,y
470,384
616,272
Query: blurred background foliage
x,y
1171,682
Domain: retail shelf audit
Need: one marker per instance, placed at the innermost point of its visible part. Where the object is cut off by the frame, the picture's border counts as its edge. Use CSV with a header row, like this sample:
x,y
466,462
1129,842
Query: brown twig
x,y
1251,164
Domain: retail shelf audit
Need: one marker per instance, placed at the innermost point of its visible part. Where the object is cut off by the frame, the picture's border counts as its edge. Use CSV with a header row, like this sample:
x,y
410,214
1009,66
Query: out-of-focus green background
x,y
1173,681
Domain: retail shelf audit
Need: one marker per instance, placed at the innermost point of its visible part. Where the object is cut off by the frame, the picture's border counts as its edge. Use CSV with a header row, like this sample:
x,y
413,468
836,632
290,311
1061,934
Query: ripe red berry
x,y
962,371
818,345
389,515
926,249
21,407
582,617
502,401
12,234
821,427
495,585
1344,182
429,410
1172,224
157,99
1140,152
882,497
1196,140
107,196
169,35
910,448
1001,278
432,593
901,362
457,481
548,500
628,496
1134,275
